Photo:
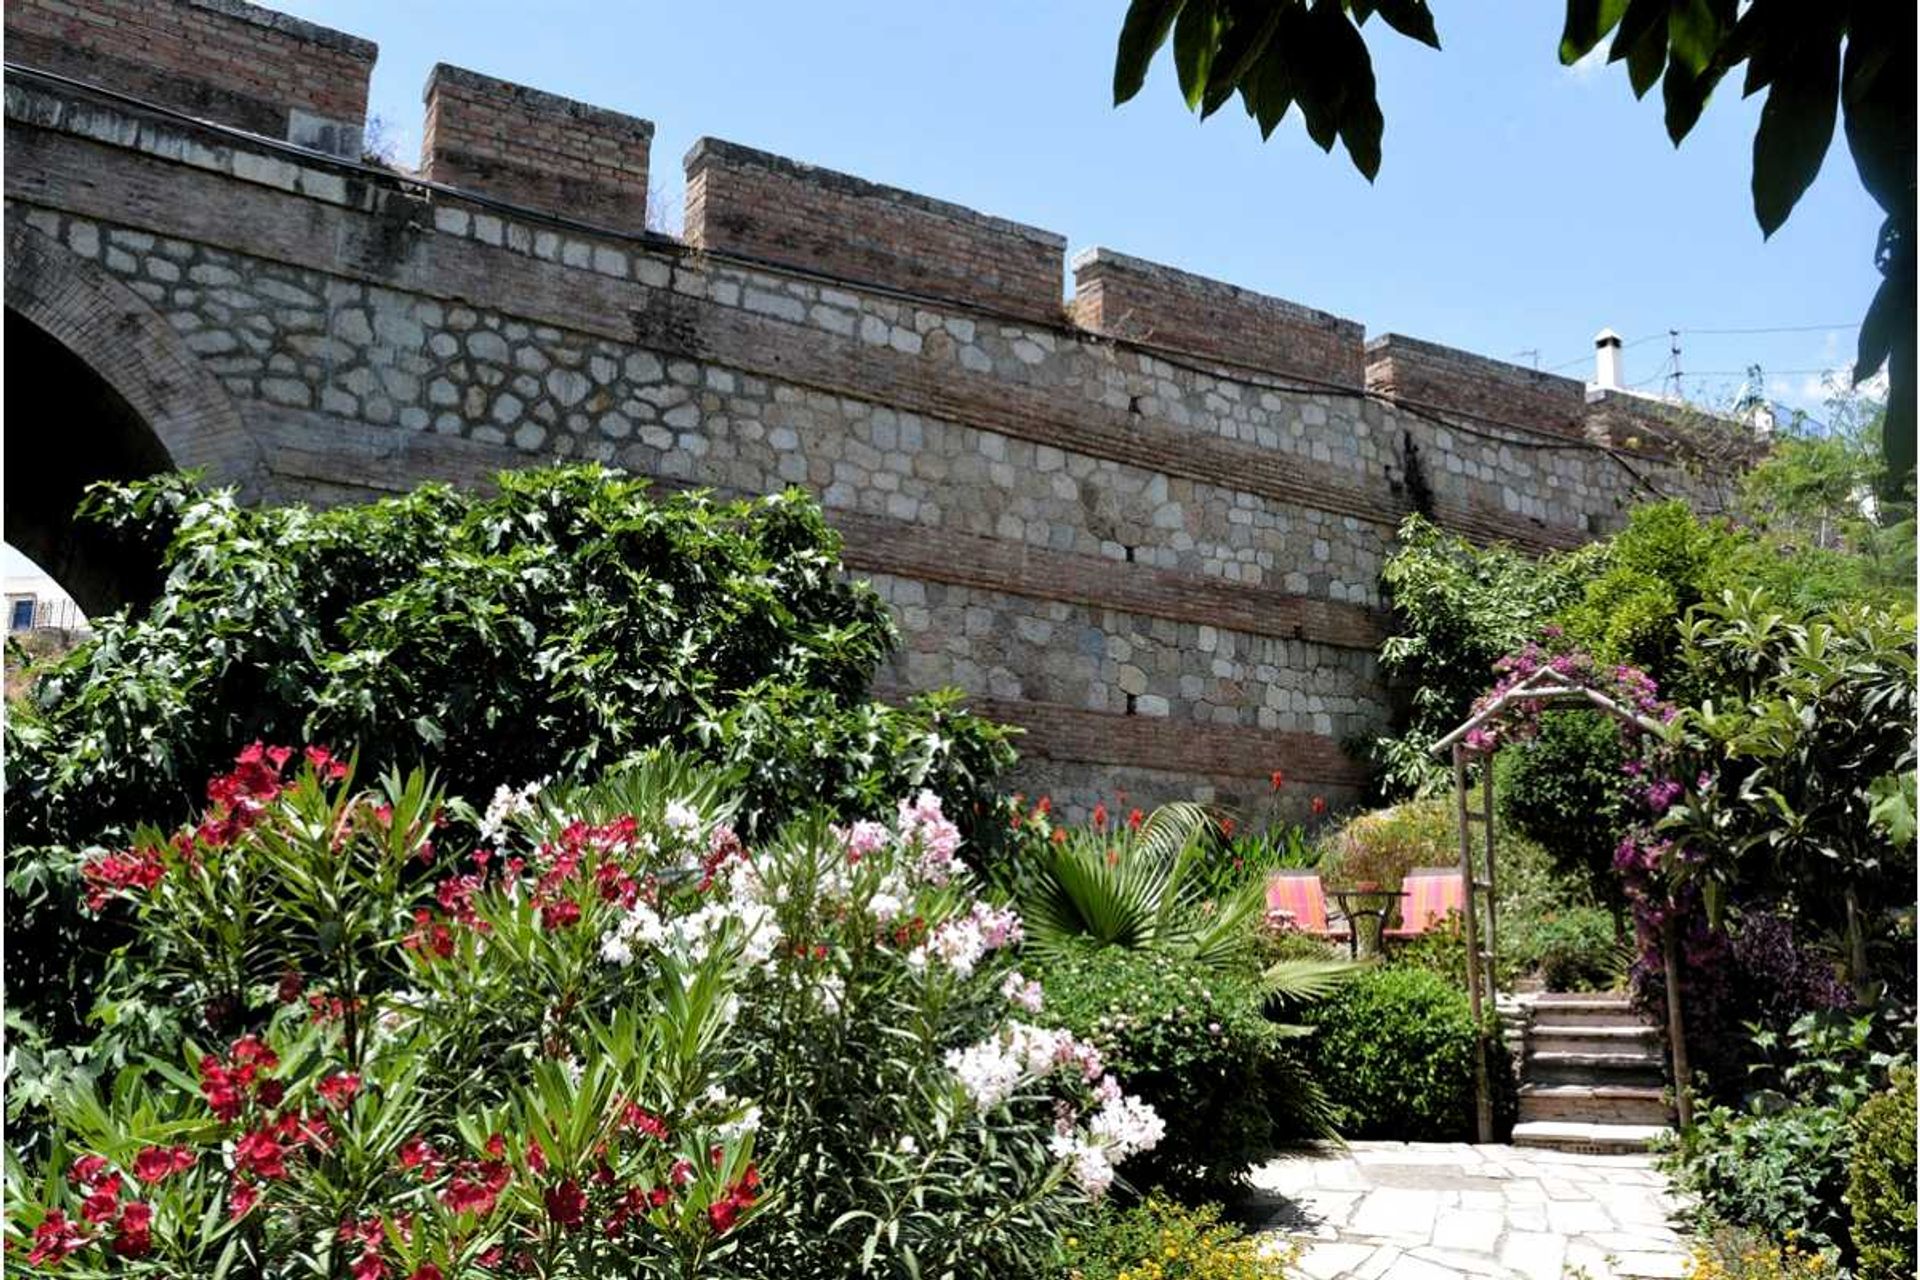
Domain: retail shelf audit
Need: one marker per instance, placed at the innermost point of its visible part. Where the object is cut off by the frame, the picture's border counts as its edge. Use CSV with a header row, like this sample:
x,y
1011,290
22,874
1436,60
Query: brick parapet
x,y
1161,306
526,146
224,60
758,205
1432,376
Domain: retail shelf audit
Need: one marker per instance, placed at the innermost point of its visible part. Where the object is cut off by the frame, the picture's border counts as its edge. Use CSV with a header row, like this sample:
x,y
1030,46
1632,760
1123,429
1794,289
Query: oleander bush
x,y
1880,1182
1160,1239
1393,1050
550,629
613,1040
1196,1043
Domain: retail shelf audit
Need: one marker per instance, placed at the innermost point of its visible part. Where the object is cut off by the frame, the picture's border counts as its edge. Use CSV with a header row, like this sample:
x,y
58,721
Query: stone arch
x,y
99,387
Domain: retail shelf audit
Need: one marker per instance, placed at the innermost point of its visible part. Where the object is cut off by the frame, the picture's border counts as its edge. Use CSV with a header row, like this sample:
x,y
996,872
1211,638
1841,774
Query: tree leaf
x,y
1796,127
1588,22
1196,35
1145,30
1642,41
1411,18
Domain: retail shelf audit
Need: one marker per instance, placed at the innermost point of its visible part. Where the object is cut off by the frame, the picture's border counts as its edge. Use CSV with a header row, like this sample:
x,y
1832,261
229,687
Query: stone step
x,y
1564,1039
1559,1067
1585,1010
1587,1139
1595,1103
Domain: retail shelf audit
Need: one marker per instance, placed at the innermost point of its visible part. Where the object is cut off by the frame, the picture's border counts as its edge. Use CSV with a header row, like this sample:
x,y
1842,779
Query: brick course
x,y
1437,377
224,60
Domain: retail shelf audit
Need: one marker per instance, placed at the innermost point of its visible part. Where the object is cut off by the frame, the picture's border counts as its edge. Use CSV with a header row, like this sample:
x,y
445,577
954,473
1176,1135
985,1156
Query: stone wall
x,y
1161,558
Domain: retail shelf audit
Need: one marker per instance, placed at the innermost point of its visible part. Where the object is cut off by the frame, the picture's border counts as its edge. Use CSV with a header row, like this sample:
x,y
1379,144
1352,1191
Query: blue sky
x,y
1521,205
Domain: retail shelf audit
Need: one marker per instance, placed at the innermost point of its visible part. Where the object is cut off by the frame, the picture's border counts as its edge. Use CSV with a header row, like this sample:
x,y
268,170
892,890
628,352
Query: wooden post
x,y
1482,1100
1676,1025
1486,826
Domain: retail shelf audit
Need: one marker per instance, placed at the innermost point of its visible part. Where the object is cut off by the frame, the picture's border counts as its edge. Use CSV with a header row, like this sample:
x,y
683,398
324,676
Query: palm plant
x,y
1144,888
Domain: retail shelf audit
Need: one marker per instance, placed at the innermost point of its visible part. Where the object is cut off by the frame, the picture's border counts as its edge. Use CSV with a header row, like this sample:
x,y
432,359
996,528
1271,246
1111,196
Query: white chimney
x,y
1607,372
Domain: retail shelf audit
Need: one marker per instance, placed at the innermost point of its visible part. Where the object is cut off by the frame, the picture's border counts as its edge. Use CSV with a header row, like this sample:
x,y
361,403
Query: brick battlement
x,y
224,60
535,148
1162,306
1431,376
755,204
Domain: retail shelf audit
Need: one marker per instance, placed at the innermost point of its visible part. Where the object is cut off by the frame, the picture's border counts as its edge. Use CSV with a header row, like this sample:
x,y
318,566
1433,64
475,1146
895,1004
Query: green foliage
x,y
1194,1042
1140,889
1578,950
1813,712
1164,1239
1779,1164
1394,1052
1564,788
1815,62
1880,1182
1382,845
556,627
1458,609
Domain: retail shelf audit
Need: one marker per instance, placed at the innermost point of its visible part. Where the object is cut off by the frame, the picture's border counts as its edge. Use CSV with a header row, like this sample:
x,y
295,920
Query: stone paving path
x,y
1434,1211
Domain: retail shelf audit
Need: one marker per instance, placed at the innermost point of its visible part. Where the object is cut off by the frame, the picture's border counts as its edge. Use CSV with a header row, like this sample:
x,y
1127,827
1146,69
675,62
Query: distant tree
x,y
1816,59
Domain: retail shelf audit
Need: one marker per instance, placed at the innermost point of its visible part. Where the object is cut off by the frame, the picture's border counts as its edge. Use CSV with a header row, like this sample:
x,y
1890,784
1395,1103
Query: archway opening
x,y
66,429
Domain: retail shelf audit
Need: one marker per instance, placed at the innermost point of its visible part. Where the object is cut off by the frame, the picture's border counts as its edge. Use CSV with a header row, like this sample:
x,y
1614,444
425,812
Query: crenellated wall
x,y
1146,524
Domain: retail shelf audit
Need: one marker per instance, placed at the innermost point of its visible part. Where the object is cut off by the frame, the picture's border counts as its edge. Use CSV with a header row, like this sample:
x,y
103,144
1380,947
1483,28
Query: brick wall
x,y
764,206
1436,377
1142,301
535,148
222,60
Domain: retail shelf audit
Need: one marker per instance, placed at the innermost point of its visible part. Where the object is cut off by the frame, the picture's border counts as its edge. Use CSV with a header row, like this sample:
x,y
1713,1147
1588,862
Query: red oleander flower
x,y
338,1089
87,1169
563,914
241,1197
1226,827
1100,817
426,1271
55,1238
567,1205
155,1164
415,1153
1135,818
1319,805
1279,779
134,1236
1060,835
102,1201
259,1152
536,1156
640,1120
329,769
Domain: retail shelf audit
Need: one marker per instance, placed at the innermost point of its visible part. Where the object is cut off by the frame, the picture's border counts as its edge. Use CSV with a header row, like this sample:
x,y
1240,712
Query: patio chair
x,y
1433,894
1297,900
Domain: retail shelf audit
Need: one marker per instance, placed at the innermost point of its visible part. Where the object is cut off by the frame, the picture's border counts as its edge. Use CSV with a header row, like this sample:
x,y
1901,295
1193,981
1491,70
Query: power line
x,y
1683,331
1802,328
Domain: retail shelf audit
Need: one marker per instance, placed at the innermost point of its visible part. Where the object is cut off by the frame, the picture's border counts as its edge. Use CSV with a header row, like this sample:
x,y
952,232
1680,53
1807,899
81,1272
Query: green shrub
x,y
1194,1042
1167,1241
1565,788
1576,950
1880,1183
552,629
1381,846
1779,1163
1393,1050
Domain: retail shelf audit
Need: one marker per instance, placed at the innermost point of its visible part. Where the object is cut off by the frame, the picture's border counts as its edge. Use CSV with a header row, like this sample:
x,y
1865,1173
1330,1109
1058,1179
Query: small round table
x,y
1373,904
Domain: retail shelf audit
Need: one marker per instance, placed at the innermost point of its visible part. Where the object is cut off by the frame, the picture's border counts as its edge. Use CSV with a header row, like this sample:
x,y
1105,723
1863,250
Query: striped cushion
x,y
1298,894
1433,893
